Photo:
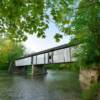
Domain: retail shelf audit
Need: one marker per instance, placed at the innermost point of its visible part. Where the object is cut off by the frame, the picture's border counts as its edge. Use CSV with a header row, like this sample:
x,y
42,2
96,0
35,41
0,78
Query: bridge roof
x,y
48,50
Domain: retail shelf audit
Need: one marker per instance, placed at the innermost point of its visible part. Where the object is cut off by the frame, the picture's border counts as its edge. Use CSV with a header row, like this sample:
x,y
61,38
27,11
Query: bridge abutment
x,y
38,70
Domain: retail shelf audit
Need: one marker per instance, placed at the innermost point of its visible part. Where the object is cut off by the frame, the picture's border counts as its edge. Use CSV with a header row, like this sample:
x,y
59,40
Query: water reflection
x,y
57,85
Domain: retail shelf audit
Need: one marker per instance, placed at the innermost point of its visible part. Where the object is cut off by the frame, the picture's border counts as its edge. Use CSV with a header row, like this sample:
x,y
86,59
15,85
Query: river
x,y
56,85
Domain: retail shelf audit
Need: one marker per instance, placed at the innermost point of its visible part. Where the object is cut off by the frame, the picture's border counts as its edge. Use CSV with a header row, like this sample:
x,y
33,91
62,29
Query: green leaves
x,y
27,16
9,51
87,32
58,37
23,17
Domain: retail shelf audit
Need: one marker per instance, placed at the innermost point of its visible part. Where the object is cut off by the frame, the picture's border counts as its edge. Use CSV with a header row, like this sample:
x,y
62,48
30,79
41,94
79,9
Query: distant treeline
x,y
9,50
67,66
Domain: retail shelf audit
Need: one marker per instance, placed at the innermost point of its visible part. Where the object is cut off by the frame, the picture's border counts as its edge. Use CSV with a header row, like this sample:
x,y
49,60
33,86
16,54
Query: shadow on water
x,y
56,85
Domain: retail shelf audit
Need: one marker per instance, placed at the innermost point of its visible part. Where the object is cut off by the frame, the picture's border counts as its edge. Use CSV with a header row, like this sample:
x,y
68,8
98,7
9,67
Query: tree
x,y
87,30
18,17
9,51
79,18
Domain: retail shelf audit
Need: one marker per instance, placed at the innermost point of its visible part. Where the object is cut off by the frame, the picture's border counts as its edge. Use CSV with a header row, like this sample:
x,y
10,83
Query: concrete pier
x,y
38,70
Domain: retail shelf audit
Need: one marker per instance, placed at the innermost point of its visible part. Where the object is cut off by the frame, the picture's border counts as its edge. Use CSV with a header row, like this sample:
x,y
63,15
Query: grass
x,y
91,93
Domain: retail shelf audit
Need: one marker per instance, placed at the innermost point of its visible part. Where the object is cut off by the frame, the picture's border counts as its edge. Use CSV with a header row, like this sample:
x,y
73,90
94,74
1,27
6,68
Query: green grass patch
x,y
91,93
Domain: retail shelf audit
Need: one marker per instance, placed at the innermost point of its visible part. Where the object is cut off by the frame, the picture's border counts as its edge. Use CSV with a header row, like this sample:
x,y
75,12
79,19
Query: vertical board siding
x,y
55,56
23,62
40,59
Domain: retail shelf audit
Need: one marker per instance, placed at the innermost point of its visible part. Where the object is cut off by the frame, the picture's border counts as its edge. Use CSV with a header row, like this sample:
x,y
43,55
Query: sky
x,y
34,44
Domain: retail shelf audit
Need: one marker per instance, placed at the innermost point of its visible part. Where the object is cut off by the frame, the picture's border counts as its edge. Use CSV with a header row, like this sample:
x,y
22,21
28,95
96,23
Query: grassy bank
x,y
92,93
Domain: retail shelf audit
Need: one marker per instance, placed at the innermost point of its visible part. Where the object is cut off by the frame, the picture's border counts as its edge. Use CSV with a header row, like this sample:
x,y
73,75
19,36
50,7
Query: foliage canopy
x,y
80,18
18,17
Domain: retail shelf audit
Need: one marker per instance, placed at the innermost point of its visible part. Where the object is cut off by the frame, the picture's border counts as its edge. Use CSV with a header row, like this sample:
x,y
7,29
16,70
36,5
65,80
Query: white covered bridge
x,y
60,54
